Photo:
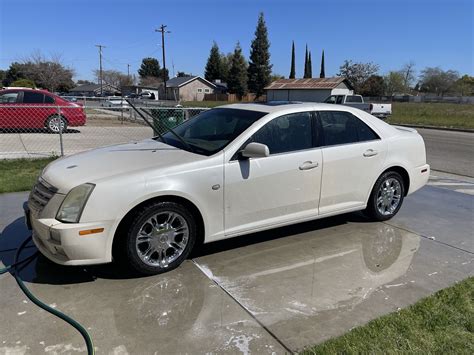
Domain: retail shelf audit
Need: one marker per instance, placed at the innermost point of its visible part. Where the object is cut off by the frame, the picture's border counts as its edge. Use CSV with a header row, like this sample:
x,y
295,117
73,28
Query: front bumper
x,y
62,244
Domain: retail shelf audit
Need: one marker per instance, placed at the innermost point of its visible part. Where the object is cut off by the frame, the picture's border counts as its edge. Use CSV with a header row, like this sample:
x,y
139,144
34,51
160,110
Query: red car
x,y
30,108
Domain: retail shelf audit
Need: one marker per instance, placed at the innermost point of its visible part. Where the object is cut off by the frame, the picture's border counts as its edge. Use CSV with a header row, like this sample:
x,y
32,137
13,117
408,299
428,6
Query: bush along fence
x,y
37,131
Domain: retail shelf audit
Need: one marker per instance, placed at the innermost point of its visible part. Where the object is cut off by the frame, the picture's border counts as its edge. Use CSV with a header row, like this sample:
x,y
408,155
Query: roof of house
x,y
183,80
92,87
310,83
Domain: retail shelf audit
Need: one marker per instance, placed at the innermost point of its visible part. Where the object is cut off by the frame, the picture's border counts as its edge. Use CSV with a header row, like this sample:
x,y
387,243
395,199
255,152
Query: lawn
x,y
20,174
433,114
441,324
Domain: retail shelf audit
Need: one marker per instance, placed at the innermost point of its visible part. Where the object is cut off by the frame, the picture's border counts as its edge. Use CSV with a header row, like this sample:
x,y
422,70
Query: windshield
x,y
210,131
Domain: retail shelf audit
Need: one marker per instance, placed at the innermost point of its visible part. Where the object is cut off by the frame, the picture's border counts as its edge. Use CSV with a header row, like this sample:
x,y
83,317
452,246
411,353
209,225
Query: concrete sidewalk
x,y
271,292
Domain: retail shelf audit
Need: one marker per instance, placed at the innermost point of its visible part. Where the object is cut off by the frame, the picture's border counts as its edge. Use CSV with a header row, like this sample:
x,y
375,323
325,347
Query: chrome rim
x,y
388,196
162,239
54,123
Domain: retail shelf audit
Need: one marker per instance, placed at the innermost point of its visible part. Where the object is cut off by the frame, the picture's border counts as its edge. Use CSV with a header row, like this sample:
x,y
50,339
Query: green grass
x,y
20,174
441,324
433,114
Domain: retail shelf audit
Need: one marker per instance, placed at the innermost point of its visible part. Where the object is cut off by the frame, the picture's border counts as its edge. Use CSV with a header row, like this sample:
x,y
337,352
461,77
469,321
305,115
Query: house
x,y
188,88
313,89
94,90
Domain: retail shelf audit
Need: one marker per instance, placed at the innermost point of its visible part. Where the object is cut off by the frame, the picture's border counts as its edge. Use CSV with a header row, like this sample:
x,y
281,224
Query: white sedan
x,y
232,170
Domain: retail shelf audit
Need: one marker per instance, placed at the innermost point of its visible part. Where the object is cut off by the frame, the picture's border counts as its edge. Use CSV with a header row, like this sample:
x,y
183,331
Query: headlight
x,y
72,206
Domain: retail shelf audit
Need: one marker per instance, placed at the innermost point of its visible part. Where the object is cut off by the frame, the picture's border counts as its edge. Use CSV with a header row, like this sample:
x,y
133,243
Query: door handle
x,y
370,153
308,165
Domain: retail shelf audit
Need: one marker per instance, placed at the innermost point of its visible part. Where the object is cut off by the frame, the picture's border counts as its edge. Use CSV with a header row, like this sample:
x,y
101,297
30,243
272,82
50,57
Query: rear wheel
x,y
56,123
386,197
159,238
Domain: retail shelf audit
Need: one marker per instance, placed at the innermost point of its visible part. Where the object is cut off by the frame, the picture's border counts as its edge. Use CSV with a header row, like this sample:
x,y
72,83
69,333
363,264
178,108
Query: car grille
x,y
40,195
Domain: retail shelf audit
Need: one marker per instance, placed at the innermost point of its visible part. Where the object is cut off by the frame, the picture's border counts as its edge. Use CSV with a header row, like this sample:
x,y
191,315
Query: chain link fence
x,y
35,131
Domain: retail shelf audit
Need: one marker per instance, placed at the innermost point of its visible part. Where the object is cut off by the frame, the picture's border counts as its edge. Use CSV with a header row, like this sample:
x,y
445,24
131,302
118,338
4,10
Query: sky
x,y
430,33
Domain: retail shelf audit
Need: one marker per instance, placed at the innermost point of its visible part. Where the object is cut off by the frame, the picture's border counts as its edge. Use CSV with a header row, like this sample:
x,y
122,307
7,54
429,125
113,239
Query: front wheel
x,y
386,197
160,238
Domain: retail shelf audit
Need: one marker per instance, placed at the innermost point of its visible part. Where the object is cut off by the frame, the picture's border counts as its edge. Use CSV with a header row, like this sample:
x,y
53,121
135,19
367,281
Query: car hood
x,y
107,162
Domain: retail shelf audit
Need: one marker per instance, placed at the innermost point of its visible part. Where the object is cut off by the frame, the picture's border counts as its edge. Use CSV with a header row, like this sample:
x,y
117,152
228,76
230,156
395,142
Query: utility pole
x,y
162,29
128,71
100,67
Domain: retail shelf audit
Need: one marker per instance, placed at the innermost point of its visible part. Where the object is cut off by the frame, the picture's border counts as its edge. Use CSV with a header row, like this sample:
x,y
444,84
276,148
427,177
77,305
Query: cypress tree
x,y
259,69
305,74
213,69
292,69
322,74
310,66
237,81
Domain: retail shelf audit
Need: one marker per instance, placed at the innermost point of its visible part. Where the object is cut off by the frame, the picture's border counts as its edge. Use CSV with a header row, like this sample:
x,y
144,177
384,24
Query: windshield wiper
x,y
146,121
181,139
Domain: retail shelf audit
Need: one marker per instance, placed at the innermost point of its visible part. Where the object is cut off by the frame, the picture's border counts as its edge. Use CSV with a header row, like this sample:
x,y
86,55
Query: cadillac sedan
x,y
232,170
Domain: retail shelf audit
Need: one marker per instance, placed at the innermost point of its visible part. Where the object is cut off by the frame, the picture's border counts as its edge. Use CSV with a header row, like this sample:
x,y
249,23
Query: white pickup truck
x,y
379,110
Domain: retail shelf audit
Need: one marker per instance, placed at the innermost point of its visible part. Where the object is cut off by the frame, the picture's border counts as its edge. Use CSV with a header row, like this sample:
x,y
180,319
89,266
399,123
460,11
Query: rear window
x,y
31,97
48,99
353,98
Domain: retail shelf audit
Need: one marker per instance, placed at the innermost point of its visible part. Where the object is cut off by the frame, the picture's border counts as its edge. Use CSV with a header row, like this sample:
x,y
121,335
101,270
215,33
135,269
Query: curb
x,y
438,128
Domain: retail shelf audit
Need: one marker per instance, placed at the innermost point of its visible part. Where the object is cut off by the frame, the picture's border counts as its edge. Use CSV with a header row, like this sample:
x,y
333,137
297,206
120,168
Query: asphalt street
x,y
449,151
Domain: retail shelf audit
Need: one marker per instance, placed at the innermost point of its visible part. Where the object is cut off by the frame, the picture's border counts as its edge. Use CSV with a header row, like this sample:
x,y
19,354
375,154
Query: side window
x,y
48,99
330,100
341,127
9,97
286,133
339,99
31,97
353,98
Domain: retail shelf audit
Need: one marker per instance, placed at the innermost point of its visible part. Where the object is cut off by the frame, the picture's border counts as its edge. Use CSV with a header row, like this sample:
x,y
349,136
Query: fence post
x,y
60,126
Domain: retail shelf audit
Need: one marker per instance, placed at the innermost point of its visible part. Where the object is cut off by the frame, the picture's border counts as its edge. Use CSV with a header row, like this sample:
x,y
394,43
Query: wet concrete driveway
x,y
271,292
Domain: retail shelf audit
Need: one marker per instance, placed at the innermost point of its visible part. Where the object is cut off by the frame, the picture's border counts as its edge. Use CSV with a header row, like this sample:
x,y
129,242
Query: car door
x,y
8,108
33,112
353,155
274,190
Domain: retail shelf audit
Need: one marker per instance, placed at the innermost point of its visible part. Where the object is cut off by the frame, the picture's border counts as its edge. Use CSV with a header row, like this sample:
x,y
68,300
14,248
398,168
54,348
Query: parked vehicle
x,y
232,170
357,101
116,101
30,108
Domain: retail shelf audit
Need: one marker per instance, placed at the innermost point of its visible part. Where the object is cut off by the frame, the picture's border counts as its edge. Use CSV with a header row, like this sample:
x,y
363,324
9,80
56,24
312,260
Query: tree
x,y
408,72
213,69
259,69
394,83
435,80
357,73
310,66
292,68
114,78
322,73
150,67
373,86
226,63
84,82
25,83
465,85
237,80
14,72
275,76
3,74
306,59
183,74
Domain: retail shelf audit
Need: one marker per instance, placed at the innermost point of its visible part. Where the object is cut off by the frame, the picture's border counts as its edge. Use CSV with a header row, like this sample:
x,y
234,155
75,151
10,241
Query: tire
x,y
386,197
52,124
159,238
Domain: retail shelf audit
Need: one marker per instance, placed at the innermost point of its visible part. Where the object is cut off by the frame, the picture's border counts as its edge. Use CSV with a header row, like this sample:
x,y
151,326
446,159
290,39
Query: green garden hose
x,y
36,301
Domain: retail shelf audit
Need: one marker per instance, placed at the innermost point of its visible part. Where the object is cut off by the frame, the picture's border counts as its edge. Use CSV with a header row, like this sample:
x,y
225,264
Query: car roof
x,y
29,89
278,106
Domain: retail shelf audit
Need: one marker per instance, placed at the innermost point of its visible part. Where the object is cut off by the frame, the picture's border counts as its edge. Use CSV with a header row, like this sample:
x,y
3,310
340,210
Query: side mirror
x,y
255,150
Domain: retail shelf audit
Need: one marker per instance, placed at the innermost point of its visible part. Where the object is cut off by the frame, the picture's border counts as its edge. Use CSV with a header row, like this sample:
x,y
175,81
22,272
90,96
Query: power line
x,y
163,30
